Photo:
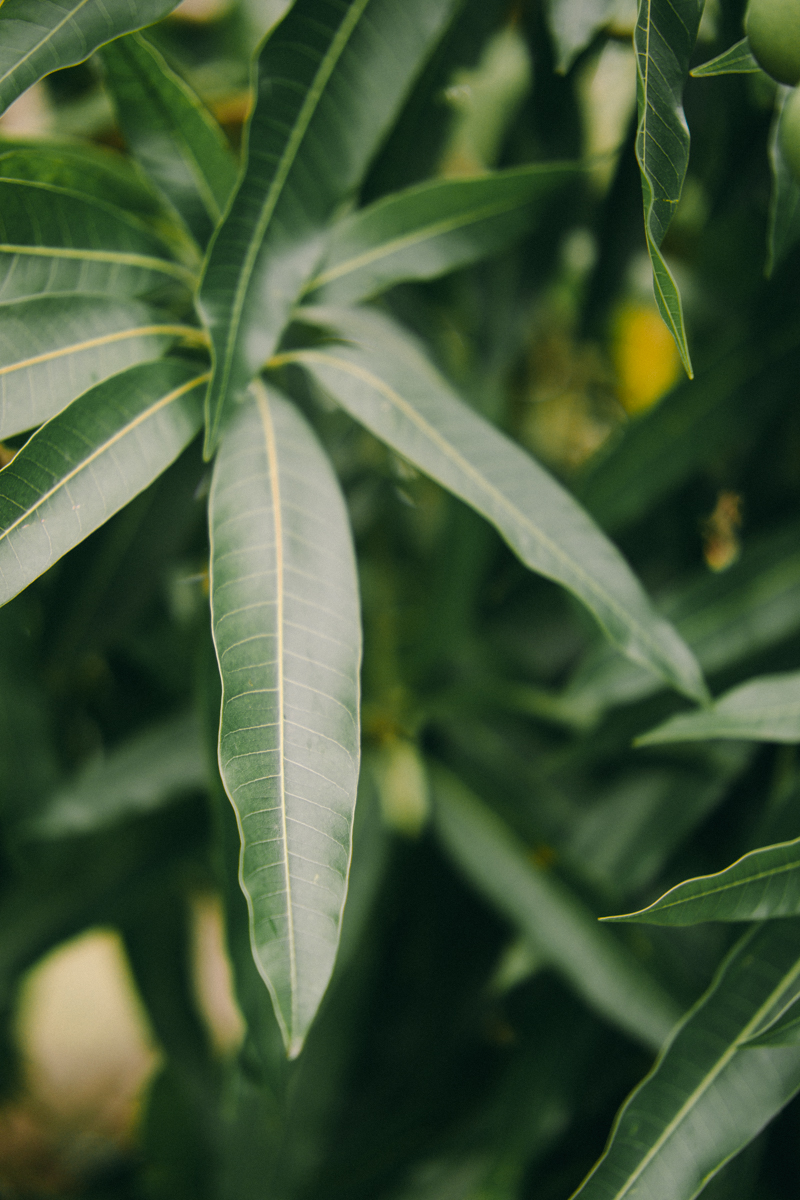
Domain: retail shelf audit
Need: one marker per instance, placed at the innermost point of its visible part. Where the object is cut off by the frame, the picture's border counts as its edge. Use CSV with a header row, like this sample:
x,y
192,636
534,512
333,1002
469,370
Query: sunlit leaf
x,y
90,460
709,1094
766,709
36,37
285,618
330,79
380,376
560,928
430,229
783,229
737,60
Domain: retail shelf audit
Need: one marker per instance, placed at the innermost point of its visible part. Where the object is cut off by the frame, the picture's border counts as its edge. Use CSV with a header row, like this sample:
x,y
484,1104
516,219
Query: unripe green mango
x,y
789,133
773,31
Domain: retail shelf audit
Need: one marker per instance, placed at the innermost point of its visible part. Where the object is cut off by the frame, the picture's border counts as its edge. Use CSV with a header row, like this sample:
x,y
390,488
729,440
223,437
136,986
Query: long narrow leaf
x,y
330,78
285,618
766,709
380,376
171,132
560,928
430,229
709,1094
36,37
52,348
89,461
738,60
665,34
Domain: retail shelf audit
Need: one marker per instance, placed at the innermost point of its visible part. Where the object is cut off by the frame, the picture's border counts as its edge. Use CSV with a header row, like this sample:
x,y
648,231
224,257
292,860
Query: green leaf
x,y
783,229
56,240
52,348
709,1093
737,60
285,618
89,461
552,919
93,170
380,376
171,133
330,79
766,709
573,24
36,37
430,229
764,883
785,1031
137,777
664,38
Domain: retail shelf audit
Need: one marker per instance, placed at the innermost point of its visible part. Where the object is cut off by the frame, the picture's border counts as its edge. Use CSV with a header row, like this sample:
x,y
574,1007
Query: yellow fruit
x,y
773,30
789,134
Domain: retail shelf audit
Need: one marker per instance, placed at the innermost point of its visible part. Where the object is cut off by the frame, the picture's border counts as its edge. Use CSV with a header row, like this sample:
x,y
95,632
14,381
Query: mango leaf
x,y
52,348
764,883
664,38
380,376
56,240
285,618
89,461
171,133
766,709
785,1031
783,229
330,80
37,38
709,1093
429,230
136,777
737,60
552,919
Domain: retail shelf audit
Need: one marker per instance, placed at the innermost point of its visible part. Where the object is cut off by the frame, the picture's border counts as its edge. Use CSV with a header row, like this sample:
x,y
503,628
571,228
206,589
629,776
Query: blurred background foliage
x,y
450,1061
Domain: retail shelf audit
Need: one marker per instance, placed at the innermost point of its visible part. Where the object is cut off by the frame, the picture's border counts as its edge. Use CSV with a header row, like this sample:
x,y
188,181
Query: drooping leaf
x,y
783,229
574,24
37,38
330,79
709,1093
764,883
429,230
557,924
664,38
171,132
52,348
55,240
90,460
766,709
737,60
137,777
285,618
380,376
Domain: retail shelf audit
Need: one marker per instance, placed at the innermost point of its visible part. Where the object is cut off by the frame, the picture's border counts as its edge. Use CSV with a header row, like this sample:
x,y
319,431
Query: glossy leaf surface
x,y
285,618
709,1094
171,133
738,60
52,348
664,38
766,709
380,376
330,79
560,928
36,38
429,230
90,460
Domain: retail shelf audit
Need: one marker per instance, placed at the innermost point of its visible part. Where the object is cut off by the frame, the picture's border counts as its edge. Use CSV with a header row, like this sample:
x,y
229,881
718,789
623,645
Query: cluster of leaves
x,y
349,325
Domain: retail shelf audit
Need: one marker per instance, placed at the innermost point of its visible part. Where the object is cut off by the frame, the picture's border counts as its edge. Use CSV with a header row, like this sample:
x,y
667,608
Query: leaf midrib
x,y
51,33
188,332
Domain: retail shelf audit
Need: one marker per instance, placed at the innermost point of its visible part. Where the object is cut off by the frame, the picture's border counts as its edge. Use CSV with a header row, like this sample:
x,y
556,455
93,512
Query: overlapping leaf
x,y
664,38
710,1093
36,37
171,133
766,709
560,928
430,229
285,619
330,79
380,376
737,60
52,348
90,460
